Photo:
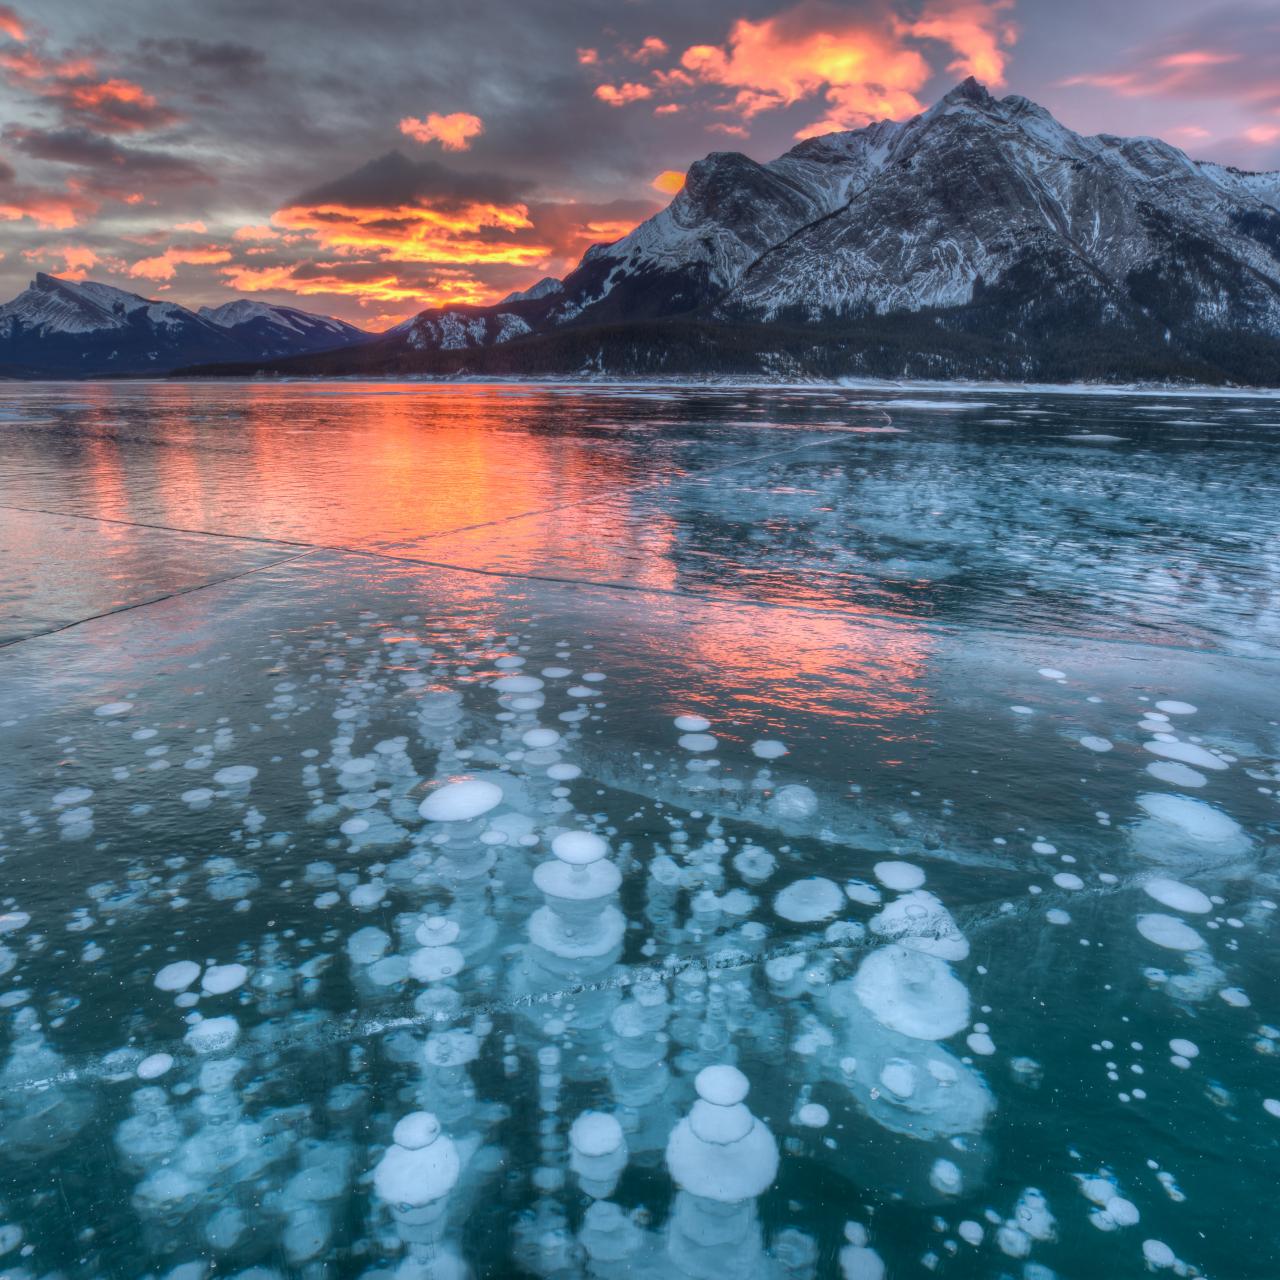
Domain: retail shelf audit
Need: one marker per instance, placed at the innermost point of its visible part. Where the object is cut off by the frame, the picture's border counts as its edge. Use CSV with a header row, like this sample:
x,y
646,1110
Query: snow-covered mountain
x,y
80,328
980,238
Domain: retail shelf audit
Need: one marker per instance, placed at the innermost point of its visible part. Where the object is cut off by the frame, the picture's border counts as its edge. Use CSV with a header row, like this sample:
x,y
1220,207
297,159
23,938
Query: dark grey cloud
x,y
230,59
394,181
87,150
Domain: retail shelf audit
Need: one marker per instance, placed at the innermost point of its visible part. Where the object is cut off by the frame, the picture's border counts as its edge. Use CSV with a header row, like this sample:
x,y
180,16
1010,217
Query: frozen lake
x,y
603,831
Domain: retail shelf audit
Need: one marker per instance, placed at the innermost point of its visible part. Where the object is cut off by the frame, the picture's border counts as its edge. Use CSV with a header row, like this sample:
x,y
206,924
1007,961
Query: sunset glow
x,y
451,197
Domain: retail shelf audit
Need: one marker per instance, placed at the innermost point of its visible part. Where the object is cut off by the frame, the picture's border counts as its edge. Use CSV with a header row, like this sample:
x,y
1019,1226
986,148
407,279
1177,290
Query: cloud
x,y
862,64
647,50
196,225
619,95
980,33
588,57
73,261
227,59
669,181
163,266
368,286
255,233
11,25
110,159
453,132
53,210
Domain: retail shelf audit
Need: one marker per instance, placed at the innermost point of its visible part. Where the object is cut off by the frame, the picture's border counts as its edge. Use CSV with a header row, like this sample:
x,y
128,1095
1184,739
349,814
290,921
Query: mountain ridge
x,y
58,327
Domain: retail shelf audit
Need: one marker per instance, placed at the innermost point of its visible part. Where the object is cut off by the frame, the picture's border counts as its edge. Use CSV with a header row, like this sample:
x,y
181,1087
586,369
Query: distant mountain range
x,y
66,328
981,239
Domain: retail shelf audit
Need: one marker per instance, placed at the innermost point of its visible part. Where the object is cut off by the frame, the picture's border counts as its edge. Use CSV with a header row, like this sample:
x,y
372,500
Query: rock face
x,y
981,238
64,328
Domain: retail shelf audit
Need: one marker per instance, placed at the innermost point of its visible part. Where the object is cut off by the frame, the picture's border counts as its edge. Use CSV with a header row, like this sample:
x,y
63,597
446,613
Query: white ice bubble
x,y
1192,817
913,993
794,803
154,1066
1092,743
112,709
1185,1048
220,978
1124,1213
813,1115
697,742
1177,775
919,921
1067,880
211,1035
235,775
1176,895
768,749
806,901
692,724
899,876
1169,932
1185,753
421,1166
1175,708
1052,673
945,1178
461,801
1158,1254
177,976
1272,1107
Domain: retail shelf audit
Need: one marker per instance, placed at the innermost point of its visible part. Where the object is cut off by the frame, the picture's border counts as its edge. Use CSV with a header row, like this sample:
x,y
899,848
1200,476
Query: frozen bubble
x,y
912,993
1066,880
68,797
177,976
461,801
198,797
1176,895
595,1133
517,684
1124,1213
1185,1048
1235,997
154,1066
563,772
364,897
1092,743
1169,932
697,742
794,803
1174,708
539,739
1052,673
813,1115
579,848
1272,1107
1158,1254
692,724
899,876
970,1232
1185,753
1177,775
220,978
420,1169
721,1085
235,775
806,901
1192,817
112,708
981,1043
213,1034
12,921
861,892
754,864
945,1178
918,920
768,749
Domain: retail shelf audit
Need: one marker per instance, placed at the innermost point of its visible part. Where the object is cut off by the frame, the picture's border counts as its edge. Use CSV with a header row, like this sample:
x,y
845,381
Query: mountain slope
x,y
981,238
64,328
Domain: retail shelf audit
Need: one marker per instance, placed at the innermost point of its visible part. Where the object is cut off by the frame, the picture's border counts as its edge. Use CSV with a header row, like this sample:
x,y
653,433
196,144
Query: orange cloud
x,y
417,233
443,289
196,226
669,181
588,57
255,233
75,260
864,73
54,210
11,24
163,265
649,48
622,94
861,66
667,109
453,132
976,31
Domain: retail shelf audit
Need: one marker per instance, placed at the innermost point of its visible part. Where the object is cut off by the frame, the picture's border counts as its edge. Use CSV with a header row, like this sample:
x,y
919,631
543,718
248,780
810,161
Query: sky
x,y
367,160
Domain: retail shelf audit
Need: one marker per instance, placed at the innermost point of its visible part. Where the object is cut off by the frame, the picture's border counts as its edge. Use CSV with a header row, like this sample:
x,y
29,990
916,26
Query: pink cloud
x,y
622,94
